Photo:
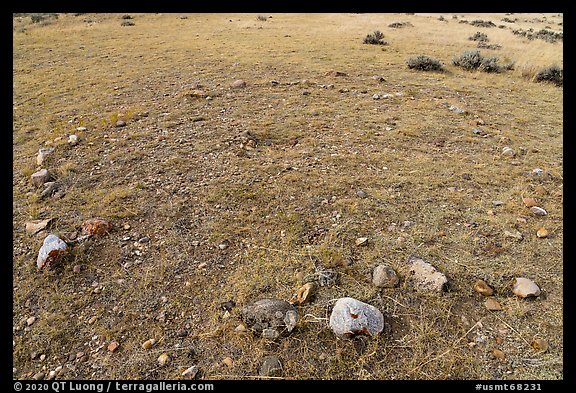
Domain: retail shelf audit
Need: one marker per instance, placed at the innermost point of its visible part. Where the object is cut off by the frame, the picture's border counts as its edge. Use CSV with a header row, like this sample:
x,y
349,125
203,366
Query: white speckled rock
x,y
51,252
425,276
524,287
351,317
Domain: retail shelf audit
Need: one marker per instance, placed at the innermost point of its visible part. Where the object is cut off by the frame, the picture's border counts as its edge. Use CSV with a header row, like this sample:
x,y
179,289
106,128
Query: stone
x,y
238,84
38,376
482,288
305,293
163,359
42,153
508,152
361,241
51,253
361,194
228,361
120,123
497,203
514,234
384,276
96,227
39,178
270,334
113,346
148,344
492,304
35,226
524,287
542,233
351,317
30,321
190,372
539,344
275,314
271,367
498,354
425,276
81,129
529,202
538,211
73,140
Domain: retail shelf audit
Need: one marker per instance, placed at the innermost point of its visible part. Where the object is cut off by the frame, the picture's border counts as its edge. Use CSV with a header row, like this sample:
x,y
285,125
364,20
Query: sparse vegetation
x,y
262,18
398,25
553,74
222,196
482,23
472,60
127,23
478,36
424,63
376,38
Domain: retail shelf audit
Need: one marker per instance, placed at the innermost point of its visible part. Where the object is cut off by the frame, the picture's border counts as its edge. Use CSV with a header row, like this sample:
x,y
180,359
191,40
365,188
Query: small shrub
x,y
127,23
424,63
126,17
261,18
478,37
469,60
484,45
441,18
398,25
490,64
553,74
375,38
482,23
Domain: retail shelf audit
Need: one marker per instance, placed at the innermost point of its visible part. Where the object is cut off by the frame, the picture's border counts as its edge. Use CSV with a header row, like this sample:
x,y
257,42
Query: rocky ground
x,y
243,219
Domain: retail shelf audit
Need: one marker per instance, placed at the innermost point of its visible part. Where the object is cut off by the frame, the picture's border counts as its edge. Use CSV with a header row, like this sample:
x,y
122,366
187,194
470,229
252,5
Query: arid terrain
x,y
239,156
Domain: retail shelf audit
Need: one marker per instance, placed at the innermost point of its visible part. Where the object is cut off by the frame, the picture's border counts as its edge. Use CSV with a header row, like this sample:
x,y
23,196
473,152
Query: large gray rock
x,y
425,276
51,252
270,316
351,317
384,276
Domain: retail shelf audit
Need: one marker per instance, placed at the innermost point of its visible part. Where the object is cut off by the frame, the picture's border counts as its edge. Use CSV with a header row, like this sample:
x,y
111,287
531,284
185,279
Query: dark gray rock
x,y
351,317
270,315
271,367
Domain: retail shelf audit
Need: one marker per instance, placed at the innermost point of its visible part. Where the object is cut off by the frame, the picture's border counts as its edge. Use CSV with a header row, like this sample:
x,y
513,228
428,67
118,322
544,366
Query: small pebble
x,y
30,321
529,202
163,359
148,344
482,288
190,372
498,354
538,211
228,361
120,123
38,376
492,304
361,241
542,233
540,345
361,194
524,287
113,346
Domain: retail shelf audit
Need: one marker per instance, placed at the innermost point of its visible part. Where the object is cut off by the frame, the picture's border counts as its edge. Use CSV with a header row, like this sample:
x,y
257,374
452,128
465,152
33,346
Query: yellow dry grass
x,y
177,174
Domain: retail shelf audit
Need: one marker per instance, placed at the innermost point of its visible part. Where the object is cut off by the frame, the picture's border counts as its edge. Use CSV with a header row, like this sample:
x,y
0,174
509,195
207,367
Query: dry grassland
x,y
181,174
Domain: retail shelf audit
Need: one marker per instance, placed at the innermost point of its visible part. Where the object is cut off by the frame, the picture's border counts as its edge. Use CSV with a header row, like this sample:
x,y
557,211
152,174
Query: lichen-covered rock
x,y
51,253
271,367
96,227
425,276
269,316
351,317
